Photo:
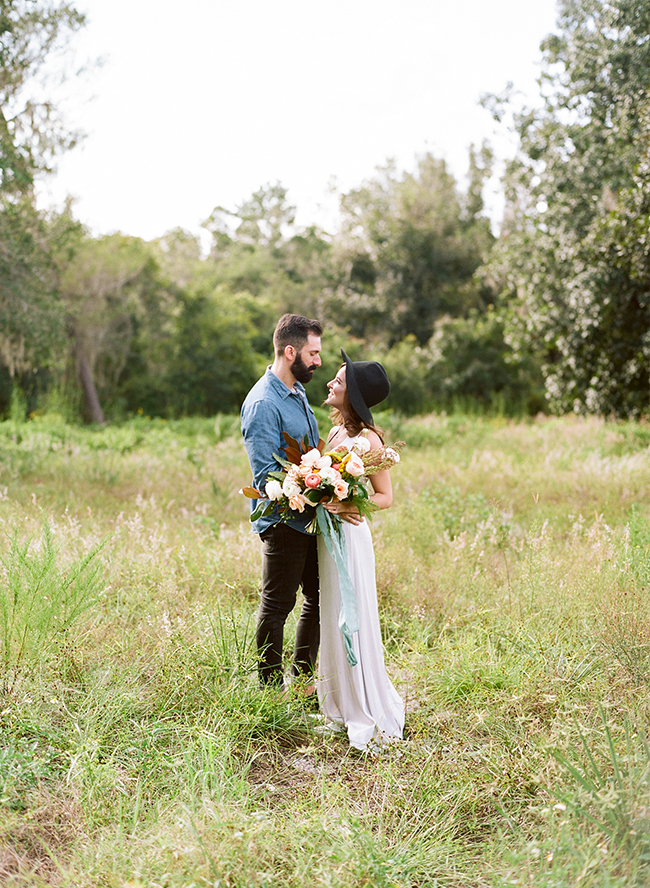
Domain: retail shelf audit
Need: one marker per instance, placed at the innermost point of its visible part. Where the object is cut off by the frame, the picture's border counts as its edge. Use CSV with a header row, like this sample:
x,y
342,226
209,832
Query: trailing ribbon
x,y
332,531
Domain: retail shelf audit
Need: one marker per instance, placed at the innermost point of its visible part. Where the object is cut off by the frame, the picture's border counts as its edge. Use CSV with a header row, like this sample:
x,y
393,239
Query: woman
x,y
359,698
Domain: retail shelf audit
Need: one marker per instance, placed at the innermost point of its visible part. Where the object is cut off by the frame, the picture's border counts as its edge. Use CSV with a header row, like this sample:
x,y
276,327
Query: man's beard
x,y
301,372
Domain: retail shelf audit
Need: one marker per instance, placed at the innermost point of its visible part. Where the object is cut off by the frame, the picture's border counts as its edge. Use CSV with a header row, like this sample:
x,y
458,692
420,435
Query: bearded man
x,y
277,403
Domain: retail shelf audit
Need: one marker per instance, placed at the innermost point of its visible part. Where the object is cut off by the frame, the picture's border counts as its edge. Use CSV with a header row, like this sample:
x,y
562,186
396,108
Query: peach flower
x,y
297,502
354,466
341,488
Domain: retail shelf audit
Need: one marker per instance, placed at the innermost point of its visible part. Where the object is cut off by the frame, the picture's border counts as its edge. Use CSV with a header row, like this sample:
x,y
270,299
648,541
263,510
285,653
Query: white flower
x,y
362,445
324,462
391,454
329,474
289,487
309,458
273,490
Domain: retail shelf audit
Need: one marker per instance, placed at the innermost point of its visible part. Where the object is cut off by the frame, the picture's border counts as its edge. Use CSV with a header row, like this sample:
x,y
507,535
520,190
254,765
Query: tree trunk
x,y
93,407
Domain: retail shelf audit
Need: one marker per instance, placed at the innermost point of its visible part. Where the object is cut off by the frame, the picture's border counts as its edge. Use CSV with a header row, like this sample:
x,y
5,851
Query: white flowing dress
x,y
359,698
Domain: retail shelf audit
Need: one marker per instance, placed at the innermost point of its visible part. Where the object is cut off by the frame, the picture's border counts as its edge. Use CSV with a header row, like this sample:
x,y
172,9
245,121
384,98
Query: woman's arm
x,y
382,496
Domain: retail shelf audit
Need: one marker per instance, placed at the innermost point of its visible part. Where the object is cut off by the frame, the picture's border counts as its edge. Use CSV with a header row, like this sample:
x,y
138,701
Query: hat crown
x,y
372,381
367,385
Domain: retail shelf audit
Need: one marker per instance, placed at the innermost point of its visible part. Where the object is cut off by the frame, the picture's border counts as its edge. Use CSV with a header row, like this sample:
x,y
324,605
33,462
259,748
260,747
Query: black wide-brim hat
x,y
367,385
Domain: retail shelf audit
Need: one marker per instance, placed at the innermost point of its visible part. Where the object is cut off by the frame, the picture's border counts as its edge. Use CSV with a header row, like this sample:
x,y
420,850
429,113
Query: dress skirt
x,y
359,698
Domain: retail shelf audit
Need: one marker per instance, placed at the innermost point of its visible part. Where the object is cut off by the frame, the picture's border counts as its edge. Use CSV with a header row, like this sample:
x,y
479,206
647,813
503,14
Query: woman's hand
x,y
346,511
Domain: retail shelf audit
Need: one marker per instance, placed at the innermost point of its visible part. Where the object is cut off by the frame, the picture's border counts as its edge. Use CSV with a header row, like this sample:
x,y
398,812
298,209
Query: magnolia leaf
x,y
283,462
291,442
251,493
262,510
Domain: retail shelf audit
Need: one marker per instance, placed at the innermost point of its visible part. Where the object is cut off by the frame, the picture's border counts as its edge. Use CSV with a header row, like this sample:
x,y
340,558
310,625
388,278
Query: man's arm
x,y
262,433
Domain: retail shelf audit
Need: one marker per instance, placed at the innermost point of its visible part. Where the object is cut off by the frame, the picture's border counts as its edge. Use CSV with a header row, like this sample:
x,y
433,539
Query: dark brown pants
x,y
290,560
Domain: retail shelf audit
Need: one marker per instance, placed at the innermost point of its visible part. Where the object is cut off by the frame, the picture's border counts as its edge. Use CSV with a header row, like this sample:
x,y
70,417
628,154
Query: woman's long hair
x,y
349,418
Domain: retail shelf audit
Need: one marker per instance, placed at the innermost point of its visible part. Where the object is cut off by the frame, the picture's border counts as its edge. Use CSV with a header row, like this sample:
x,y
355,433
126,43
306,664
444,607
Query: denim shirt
x,y
271,408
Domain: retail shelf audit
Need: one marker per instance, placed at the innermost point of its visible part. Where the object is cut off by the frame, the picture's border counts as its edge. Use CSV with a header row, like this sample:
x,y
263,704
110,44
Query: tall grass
x,y
41,602
137,749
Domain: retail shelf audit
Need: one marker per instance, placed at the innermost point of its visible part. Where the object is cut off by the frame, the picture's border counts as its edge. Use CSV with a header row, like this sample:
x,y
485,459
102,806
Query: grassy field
x,y
137,750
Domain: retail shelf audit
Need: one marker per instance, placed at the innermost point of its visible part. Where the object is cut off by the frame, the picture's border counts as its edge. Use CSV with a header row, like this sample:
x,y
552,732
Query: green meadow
x,y
137,749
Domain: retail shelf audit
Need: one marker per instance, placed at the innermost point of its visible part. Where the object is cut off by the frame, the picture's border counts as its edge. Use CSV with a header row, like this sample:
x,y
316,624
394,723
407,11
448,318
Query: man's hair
x,y
294,330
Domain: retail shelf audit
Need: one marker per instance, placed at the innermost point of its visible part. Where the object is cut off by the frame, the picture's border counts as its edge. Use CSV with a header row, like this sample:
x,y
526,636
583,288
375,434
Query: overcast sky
x,y
200,103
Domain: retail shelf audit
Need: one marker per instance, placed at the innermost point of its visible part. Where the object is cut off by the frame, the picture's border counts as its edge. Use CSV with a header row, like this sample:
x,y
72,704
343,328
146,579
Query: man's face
x,y
307,359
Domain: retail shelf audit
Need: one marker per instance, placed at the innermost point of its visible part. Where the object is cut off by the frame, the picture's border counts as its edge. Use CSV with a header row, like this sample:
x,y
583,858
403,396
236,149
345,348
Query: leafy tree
x,y
31,130
109,286
413,243
214,364
257,249
31,316
570,257
31,133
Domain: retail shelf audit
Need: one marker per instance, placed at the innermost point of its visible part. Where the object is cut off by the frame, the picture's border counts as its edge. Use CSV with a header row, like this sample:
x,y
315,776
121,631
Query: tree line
x,y
550,315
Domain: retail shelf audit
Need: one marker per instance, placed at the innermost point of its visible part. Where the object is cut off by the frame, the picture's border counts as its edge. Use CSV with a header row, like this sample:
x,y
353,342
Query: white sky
x,y
201,102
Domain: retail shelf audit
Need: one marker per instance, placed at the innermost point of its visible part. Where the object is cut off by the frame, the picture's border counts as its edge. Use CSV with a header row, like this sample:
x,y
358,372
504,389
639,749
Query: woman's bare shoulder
x,y
374,439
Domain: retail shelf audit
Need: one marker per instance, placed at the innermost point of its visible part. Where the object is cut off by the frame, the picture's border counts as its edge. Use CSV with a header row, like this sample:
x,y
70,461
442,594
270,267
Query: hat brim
x,y
354,394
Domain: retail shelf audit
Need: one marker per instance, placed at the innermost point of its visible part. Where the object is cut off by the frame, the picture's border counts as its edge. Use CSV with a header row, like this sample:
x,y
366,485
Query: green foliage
x,y
31,316
572,259
471,359
143,750
40,602
414,243
611,787
31,33
209,363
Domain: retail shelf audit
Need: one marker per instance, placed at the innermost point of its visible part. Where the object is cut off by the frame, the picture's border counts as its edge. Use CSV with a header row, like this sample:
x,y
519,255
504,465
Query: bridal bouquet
x,y
313,476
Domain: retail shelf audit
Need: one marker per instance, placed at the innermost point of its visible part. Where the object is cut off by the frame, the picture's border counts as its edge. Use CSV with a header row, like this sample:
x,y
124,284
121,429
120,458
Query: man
x,y
277,403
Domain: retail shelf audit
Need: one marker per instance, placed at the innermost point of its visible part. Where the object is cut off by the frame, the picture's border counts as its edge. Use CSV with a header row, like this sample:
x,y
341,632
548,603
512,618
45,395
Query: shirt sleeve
x,y
262,433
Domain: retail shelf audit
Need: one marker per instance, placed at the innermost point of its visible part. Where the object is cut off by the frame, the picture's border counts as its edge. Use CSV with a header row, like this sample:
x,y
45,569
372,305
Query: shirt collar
x,y
283,390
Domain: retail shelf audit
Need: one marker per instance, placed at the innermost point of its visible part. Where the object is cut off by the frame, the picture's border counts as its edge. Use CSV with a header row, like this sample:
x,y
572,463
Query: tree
x,y
31,316
108,286
413,243
569,259
258,250
31,130
31,133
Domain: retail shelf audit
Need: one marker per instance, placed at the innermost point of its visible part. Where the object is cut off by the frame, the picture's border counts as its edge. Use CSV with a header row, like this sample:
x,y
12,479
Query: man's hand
x,y
346,511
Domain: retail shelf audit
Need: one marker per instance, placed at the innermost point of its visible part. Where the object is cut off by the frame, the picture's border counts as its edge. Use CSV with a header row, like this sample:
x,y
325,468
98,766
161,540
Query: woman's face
x,y
337,389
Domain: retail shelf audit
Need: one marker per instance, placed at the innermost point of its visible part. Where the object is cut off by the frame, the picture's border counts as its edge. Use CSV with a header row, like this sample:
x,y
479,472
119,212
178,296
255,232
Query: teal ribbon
x,y
332,532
